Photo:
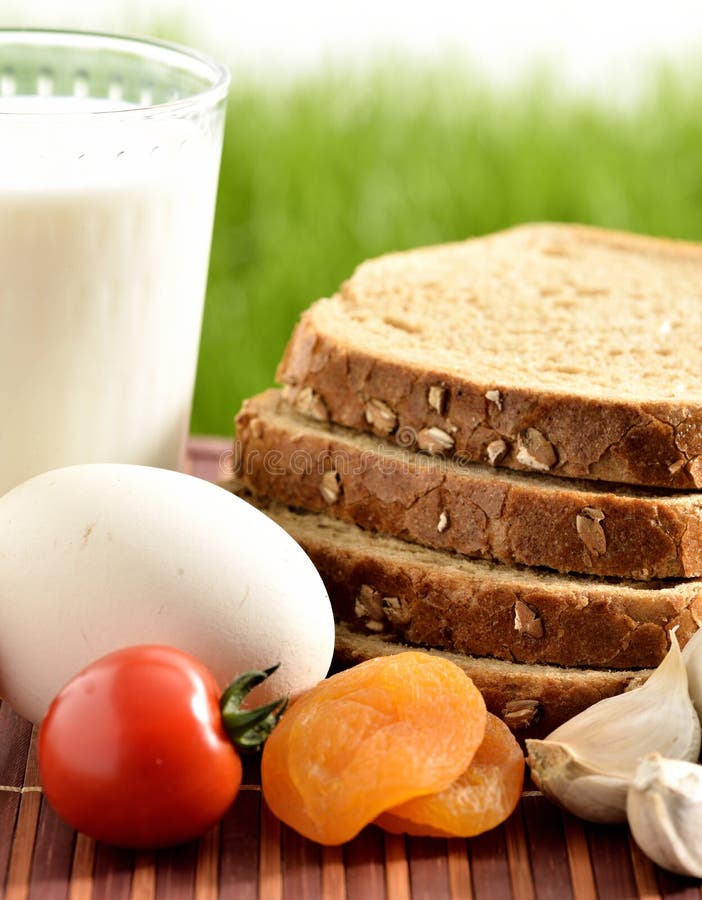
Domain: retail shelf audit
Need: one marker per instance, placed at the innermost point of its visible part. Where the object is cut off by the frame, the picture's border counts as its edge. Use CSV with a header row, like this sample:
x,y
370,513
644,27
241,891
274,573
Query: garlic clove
x,y
664,808
575,786
657,717
601,748
692,657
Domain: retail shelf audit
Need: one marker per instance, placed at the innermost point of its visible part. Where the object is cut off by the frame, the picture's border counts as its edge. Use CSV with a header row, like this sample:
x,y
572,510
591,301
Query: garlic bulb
x,y
586,764
664,808
692,656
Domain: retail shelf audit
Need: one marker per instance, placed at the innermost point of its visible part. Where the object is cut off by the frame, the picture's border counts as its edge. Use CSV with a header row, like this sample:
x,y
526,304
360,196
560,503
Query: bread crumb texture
x,y
562,306
590,338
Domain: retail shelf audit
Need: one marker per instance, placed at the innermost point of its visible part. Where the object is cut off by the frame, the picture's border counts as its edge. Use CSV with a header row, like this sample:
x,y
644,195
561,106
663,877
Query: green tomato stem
x,y
248,728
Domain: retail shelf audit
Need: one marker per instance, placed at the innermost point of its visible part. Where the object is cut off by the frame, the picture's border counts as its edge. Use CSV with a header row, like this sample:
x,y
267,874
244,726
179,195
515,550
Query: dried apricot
x,y
481,798
368,739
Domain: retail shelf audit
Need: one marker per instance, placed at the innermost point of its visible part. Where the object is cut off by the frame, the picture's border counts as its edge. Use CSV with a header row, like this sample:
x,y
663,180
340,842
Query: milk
x,y
105,231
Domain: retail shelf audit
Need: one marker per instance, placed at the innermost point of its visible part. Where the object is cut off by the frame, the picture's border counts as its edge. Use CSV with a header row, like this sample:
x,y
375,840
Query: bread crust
x,y
651,444
536,520
407,593
532,700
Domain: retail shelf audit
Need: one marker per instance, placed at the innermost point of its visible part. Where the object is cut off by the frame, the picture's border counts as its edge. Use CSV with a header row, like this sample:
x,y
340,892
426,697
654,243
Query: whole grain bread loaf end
x,y
514,517
553,348
407,593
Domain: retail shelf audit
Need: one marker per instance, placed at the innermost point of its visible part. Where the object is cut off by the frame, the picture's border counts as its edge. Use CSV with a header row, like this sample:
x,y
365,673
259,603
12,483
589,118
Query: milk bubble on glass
x,y
106,212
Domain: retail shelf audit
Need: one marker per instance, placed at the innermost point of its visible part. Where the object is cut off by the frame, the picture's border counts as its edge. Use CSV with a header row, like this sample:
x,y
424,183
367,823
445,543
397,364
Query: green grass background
x,y
337,166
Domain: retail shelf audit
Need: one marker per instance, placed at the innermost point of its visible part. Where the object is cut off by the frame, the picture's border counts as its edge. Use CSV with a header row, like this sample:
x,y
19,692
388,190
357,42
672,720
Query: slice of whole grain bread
x,y
404,592
514,517
555,348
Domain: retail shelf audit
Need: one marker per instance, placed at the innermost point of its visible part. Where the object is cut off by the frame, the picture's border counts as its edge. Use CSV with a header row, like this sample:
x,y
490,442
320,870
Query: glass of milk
x,y
109,158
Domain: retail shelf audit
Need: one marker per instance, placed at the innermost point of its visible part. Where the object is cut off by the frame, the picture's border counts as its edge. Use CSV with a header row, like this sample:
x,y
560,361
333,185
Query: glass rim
x,y
209,96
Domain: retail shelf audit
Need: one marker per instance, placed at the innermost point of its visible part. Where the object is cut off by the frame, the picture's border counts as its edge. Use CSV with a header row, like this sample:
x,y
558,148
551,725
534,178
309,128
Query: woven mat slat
x,y
611,862
364,858
16,735
546,848
143,876
428,867
53,857
20,862
460,881
579,862
518,858
489,865
241,848
9,809
112,873
81,886
207,866
270,864
397,875
644,873
175,872
333,874
302,866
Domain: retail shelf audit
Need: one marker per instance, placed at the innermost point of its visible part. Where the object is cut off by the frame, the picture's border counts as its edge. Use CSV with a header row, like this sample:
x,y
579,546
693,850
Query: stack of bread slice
x,y
493,449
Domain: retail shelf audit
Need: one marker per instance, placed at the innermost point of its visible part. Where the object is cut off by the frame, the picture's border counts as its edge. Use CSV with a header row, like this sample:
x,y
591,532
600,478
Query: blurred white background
x,y
600,44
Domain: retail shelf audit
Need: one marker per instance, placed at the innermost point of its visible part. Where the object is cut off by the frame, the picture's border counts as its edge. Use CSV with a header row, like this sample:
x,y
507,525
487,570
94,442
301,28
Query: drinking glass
x,y
109,159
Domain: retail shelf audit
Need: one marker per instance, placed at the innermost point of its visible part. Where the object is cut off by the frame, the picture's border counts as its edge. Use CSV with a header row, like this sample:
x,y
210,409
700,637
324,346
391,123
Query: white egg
x,y
96,557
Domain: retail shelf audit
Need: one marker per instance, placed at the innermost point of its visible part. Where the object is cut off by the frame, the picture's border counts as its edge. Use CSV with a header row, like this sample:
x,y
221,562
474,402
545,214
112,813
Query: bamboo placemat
x,y
538,854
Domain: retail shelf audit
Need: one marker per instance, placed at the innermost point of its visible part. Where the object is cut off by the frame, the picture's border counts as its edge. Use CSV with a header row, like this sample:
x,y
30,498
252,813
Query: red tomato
x,y
133,750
